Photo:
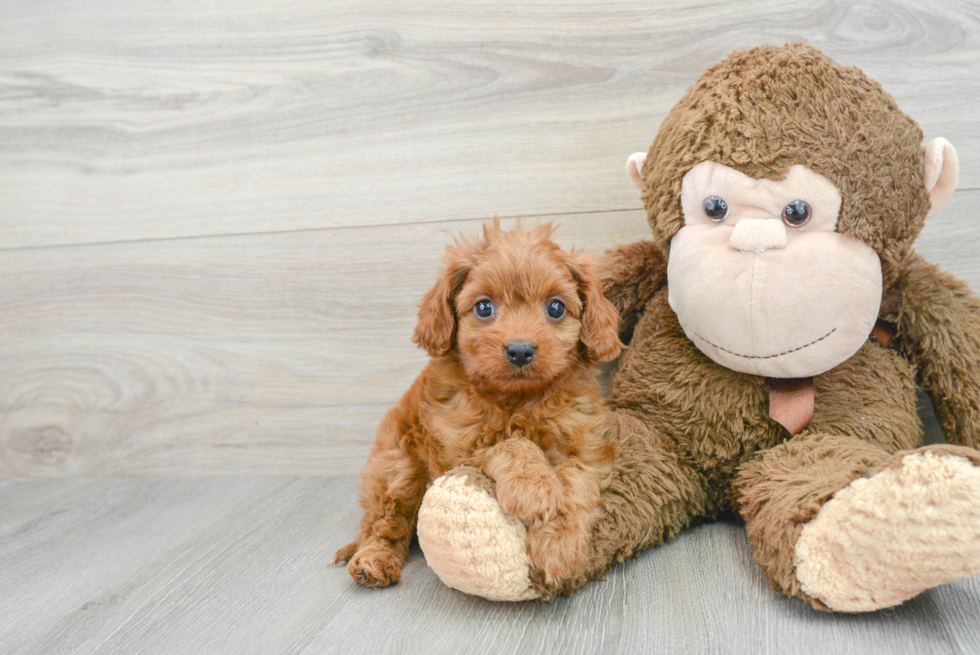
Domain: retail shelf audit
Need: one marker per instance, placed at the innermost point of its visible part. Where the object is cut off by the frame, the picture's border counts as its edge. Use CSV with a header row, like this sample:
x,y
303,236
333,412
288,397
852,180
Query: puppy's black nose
x,y
520,353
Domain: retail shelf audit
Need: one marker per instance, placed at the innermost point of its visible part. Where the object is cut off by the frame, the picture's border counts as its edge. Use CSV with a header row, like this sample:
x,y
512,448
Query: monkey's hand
x,y
470,542
938,322
630,275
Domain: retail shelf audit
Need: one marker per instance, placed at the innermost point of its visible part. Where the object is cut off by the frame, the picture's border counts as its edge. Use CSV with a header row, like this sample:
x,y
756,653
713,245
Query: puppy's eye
x,y
483,308
556,309
716,208
796,213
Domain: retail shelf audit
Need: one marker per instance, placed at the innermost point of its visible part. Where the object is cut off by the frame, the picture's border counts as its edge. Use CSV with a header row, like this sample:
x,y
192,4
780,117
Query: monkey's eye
x,y
483,308
556,309
796,213
716,208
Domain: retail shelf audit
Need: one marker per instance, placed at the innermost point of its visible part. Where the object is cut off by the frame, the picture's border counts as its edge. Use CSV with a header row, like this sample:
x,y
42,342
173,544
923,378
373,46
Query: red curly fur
x,y
537,431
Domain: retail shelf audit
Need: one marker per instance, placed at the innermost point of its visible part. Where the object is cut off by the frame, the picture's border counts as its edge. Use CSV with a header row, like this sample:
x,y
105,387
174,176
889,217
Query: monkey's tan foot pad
x,y
470,543
884,539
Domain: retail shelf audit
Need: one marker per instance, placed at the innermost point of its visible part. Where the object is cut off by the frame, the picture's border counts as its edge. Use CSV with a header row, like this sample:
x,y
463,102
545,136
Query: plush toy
x,y
778,324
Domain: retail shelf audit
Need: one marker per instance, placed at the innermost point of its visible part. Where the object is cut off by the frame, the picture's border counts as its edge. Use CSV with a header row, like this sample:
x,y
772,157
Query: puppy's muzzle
x,y
520,353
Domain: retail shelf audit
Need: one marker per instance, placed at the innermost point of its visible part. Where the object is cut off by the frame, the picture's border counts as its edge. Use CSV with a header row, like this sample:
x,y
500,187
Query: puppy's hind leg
x,y
392,485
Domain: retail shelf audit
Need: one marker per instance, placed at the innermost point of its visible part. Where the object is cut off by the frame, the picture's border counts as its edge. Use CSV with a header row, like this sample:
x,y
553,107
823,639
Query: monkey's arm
x,y
939,331
630,275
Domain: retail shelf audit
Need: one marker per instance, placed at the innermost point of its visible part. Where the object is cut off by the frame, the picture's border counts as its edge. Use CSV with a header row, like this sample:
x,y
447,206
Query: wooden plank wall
x,y
216,218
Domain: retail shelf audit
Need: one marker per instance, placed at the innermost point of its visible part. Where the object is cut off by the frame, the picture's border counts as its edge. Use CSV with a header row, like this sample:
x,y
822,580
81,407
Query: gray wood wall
x,y
216,218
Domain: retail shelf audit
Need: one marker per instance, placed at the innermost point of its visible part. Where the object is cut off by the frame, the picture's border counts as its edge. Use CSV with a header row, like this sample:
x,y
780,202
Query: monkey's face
x,y
760,280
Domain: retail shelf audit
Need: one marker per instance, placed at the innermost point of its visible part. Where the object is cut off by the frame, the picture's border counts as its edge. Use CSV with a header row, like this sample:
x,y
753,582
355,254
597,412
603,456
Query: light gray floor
x,y
236,565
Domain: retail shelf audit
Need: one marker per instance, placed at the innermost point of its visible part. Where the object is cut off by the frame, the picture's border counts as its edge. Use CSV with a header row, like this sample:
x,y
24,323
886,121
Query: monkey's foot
x,y
884,539
470,543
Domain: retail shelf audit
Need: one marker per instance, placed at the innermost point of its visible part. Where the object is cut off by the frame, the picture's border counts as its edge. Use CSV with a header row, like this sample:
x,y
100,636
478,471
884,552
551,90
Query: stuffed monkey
x,y
778,325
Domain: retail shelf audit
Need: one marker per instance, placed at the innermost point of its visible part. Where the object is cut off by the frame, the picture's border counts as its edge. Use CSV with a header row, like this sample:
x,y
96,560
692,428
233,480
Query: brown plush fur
x,y
694,438
536,431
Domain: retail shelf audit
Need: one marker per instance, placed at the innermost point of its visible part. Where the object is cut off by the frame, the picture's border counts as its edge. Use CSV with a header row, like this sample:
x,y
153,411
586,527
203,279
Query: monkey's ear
x,y
600,320
437,317
942,171
634,168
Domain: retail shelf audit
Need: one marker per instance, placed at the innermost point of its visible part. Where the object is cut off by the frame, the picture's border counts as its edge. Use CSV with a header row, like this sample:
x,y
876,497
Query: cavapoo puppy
x,y
513,325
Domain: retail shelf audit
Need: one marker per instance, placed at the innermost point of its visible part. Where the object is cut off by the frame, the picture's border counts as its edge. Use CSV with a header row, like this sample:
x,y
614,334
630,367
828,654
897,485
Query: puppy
x,y
513,326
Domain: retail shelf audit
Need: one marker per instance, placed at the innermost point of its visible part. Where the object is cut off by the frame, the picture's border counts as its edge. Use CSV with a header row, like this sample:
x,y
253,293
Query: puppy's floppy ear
x,y
436,328
600,320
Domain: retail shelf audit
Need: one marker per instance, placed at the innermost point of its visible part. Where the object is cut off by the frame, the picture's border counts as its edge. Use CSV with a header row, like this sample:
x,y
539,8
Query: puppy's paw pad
x,y
374,569
369,580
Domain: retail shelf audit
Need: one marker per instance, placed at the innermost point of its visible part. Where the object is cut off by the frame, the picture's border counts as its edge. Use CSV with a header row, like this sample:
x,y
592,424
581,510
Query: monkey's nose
x,y
758,234
520,353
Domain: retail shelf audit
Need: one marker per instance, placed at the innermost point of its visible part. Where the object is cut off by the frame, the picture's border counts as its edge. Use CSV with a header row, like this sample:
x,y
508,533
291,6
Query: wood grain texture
x,y
251,196
236,565
138,120
263,354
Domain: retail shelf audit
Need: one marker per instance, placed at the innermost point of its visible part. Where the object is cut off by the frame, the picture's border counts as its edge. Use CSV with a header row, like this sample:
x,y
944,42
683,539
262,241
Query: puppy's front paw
x,y
375,567
533,497
558,550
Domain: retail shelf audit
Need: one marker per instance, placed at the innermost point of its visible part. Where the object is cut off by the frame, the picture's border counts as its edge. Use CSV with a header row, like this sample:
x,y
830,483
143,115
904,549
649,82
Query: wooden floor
x,y
215,221
235,565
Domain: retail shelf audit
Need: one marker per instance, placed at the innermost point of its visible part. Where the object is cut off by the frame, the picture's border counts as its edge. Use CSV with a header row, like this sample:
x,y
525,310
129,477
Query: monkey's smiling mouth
x,y
785,352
